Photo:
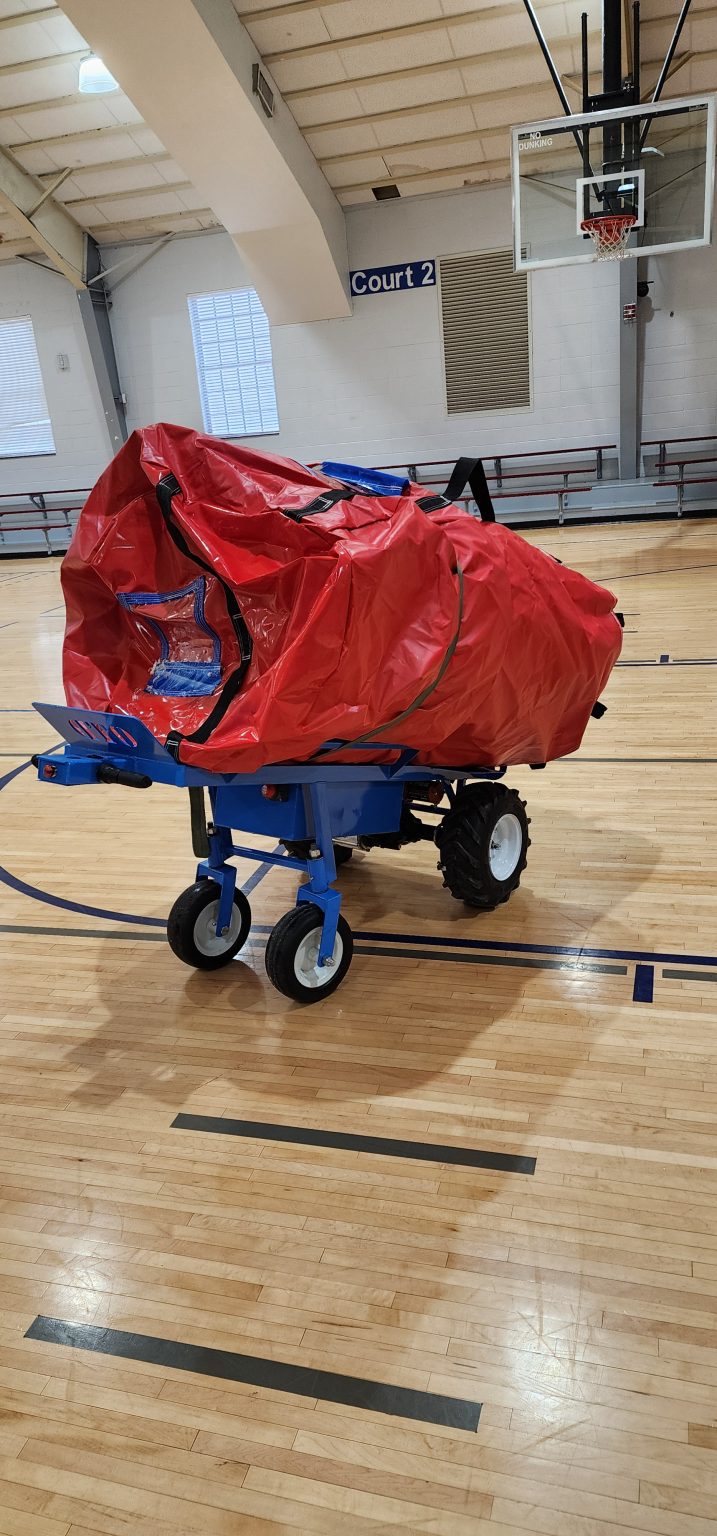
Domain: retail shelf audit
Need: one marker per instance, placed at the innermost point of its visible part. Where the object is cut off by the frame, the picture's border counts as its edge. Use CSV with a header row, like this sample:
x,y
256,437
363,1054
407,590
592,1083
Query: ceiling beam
x,y
117,197
80,136
677,63
102,166
562,48
257,172
496,59
26,18
50,61
389,34
484,169
278,11
11,249
427,108
499,168
51,229
151,222
392,151
48,103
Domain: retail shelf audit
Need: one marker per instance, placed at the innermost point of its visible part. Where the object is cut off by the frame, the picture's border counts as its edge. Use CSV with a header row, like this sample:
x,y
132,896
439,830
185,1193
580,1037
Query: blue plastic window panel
x,y
171,676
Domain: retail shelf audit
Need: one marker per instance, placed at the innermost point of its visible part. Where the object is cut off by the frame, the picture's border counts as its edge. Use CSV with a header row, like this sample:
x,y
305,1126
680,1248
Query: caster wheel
x,y
483,844
292,955
302,850
192,931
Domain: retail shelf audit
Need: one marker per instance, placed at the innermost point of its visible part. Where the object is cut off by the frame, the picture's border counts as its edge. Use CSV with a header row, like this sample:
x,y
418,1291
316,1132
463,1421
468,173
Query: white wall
x,y
680,346
78,423
370,388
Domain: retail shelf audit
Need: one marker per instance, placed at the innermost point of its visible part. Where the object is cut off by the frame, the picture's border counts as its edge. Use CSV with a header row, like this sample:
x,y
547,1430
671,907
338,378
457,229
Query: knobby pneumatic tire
x,y
483,845
191,927
292,955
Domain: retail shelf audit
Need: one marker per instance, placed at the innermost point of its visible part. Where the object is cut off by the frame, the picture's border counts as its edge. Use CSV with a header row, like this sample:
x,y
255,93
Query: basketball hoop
x,y
609,233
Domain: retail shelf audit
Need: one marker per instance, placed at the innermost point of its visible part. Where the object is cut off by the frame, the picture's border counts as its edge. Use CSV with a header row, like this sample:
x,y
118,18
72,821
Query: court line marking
x,y
673,661
643,989
258,1371
381,1146
675,975
669,570
375,937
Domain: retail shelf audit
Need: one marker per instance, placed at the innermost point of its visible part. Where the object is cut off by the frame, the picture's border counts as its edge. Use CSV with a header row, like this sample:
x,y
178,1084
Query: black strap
x,y
471,472
198,818
598,710
321,503
425,693
166,488
466,472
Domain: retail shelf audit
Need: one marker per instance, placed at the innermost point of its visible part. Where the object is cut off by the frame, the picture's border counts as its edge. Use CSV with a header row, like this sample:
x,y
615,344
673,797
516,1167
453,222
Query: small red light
x,y
48,770
270,791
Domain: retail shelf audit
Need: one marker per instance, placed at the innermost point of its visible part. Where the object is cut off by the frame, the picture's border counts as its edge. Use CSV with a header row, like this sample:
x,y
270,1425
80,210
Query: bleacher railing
x,y
49,517
47,523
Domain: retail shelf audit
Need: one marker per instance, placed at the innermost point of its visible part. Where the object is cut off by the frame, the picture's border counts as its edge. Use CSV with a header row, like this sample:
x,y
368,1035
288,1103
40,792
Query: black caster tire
x,y
303,849
292,951
191,931
483,844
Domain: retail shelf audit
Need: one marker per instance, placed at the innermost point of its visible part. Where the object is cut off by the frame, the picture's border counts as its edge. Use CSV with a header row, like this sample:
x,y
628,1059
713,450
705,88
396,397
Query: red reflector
x,y
270,791
48,771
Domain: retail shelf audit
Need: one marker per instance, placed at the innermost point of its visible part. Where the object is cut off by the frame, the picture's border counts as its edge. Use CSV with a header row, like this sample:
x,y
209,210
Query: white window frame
x,y
234,431
34,381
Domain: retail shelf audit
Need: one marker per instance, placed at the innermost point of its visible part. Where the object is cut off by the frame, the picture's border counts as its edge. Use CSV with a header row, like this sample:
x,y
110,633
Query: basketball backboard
x,y
656,163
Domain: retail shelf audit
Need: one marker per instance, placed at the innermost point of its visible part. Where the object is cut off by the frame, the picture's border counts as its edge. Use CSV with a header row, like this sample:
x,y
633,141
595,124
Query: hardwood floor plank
x,y
577,1304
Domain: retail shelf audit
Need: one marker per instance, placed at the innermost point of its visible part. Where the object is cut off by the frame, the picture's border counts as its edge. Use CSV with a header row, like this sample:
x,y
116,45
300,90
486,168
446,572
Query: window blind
x,y
486,332
25,426
232,348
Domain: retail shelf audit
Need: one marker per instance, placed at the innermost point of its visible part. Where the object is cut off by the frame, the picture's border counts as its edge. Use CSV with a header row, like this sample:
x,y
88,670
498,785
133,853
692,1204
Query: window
x,y
232,347
486,332
25,426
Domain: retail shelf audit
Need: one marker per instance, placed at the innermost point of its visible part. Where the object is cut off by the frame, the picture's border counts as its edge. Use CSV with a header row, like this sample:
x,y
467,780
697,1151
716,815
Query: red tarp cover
x,y
351,614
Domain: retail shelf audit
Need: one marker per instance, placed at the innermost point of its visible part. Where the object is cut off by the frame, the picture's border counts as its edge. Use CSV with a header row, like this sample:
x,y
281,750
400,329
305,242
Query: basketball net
x,y
609,233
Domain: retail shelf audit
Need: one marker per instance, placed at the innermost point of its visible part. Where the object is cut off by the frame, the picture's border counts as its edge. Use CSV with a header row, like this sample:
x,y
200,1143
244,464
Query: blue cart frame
x,y
316,802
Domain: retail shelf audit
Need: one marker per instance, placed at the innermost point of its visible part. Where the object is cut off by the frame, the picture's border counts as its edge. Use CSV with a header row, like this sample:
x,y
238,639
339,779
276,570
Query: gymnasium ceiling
x,y
416,94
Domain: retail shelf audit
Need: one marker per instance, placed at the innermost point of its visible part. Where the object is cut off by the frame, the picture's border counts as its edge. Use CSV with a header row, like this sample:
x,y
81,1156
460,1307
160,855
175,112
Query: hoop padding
x,y
609,233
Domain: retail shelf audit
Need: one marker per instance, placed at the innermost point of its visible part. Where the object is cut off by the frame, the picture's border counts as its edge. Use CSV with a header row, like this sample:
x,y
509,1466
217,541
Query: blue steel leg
x,y
322,872
217,868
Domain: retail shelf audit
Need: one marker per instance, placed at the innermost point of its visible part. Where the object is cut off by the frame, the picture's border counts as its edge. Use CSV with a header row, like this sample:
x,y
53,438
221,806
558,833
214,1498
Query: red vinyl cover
x,y
248,635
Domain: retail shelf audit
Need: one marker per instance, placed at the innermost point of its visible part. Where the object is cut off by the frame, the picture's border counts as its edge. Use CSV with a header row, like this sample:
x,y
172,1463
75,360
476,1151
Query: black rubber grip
x,y
108,774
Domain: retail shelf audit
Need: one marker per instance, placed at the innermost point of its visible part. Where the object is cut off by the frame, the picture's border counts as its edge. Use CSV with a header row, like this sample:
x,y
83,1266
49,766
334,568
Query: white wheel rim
x,y
506,846
306,961
207,940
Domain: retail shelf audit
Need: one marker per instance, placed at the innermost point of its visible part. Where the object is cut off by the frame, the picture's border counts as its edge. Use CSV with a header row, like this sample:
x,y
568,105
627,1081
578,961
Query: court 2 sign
x,y
398,279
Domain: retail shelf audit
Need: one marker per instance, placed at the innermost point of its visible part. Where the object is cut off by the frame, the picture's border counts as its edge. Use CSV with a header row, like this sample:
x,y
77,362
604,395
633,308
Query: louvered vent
x,y
486,333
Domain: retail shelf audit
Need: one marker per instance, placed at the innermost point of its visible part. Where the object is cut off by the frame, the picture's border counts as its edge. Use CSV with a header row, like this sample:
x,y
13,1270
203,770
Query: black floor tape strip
x,y
473,959
256,1371
385,1146
672,975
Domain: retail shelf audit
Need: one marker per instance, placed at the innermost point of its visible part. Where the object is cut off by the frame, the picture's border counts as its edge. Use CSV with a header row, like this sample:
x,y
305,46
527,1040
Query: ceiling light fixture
x,y
94,77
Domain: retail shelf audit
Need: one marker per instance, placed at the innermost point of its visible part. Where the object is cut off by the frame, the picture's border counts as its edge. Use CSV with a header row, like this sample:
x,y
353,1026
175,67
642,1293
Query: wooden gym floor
x,y
577,1303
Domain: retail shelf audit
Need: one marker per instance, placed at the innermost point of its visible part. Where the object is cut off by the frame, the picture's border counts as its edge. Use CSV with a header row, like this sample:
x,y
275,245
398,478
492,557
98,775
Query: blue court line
x,y
442,941
258,875
579,951
36,894
644,987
